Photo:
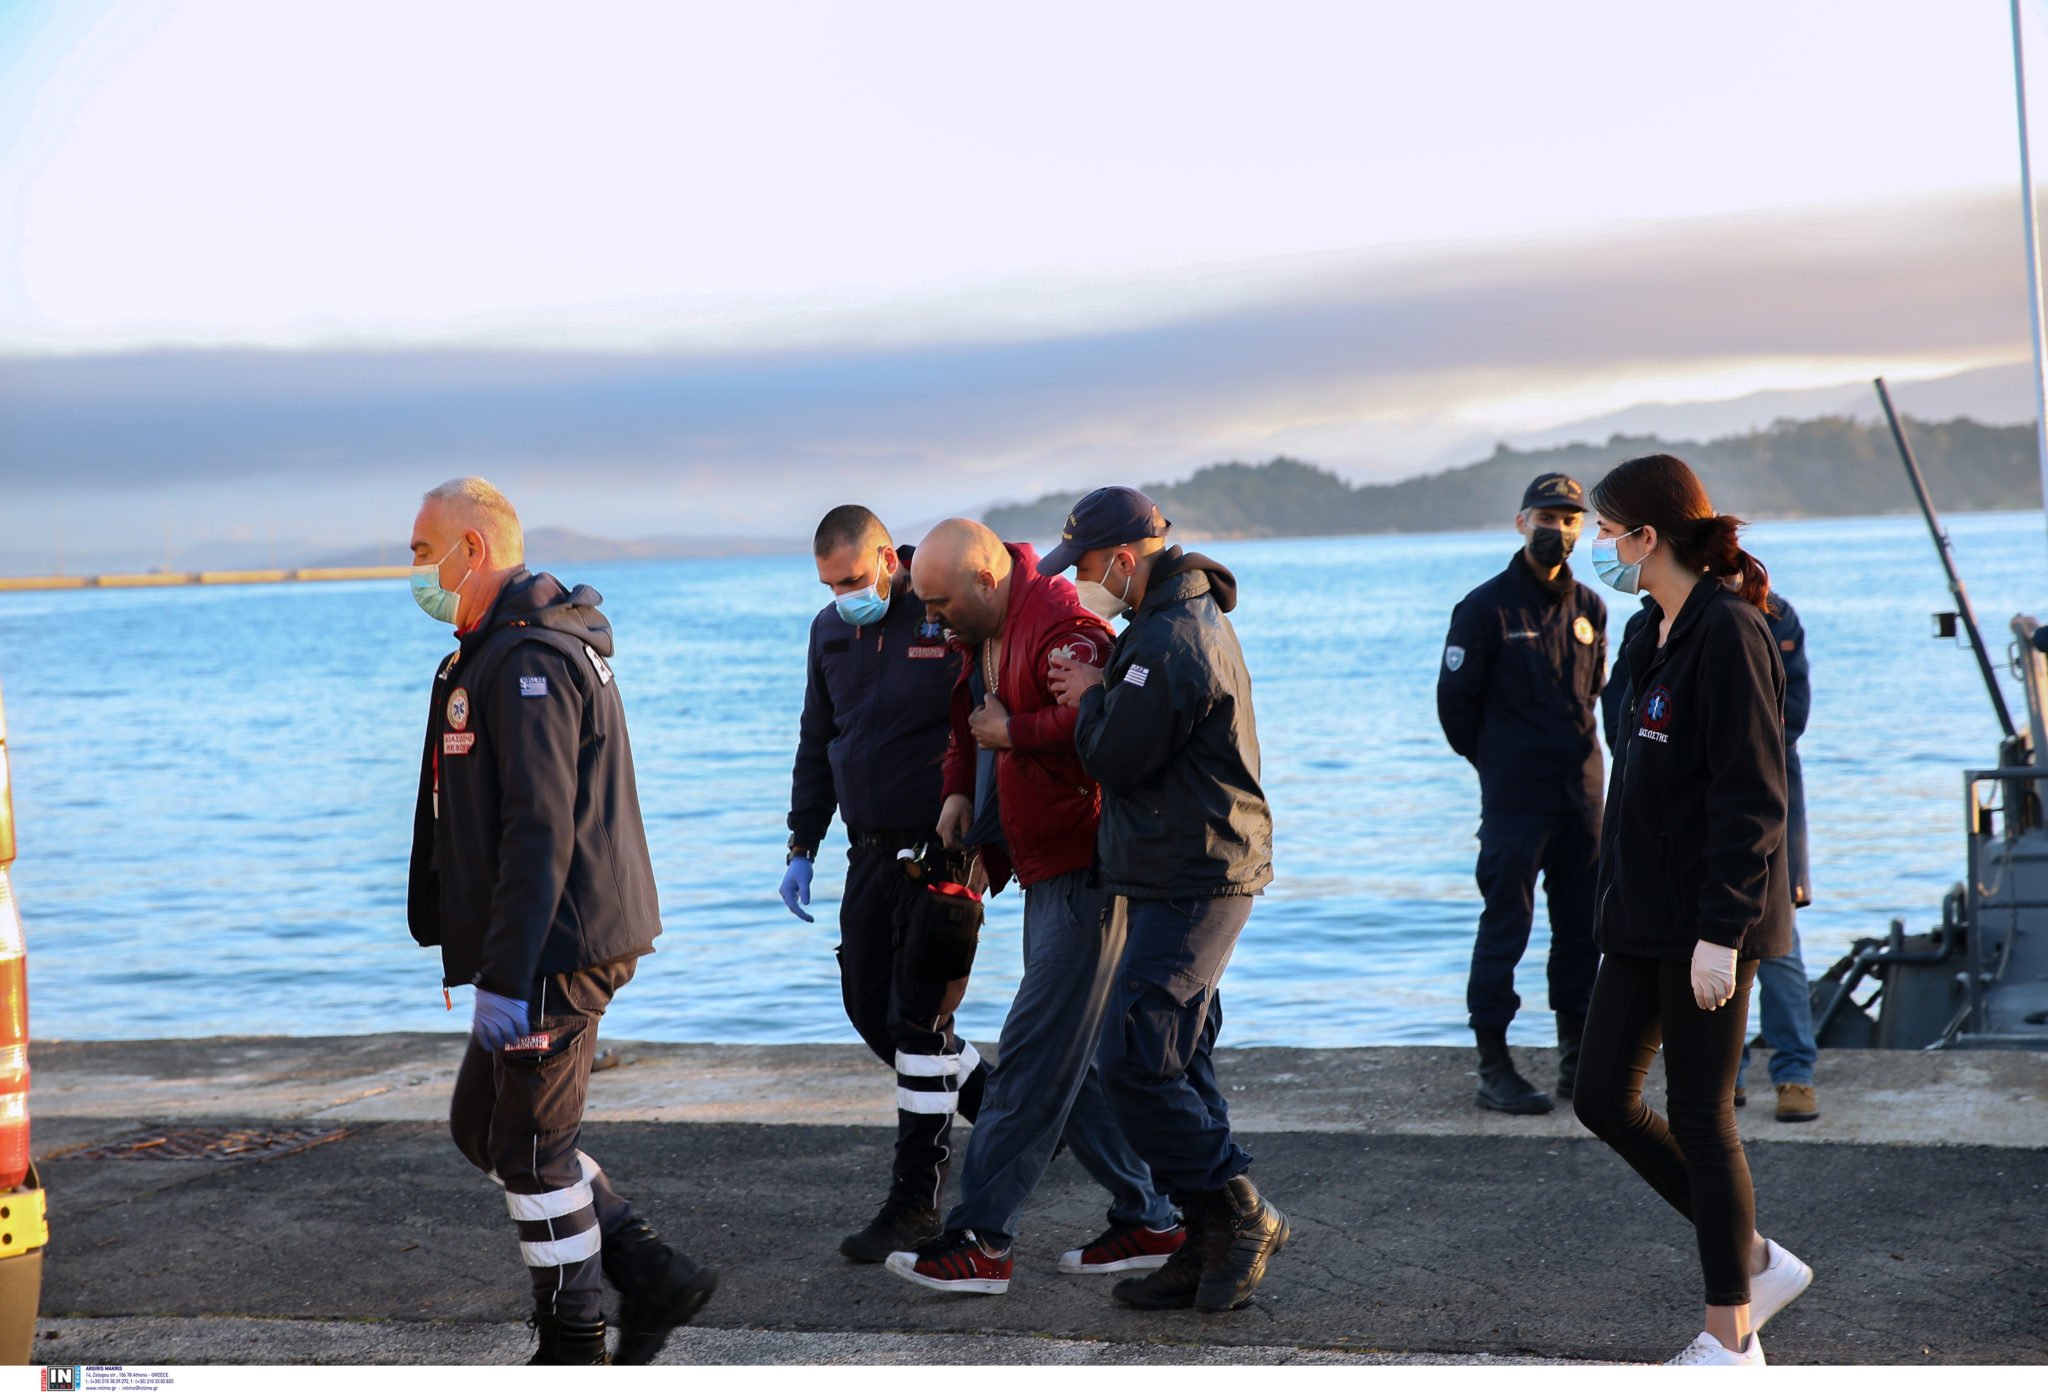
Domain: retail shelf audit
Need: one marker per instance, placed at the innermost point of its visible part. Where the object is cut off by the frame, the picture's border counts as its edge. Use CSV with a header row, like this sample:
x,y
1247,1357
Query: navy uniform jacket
x,y
528,852
877,708
1517,688
1791,639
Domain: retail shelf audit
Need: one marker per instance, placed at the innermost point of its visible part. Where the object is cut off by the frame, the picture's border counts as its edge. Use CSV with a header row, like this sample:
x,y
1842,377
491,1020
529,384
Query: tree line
x,y
1833,466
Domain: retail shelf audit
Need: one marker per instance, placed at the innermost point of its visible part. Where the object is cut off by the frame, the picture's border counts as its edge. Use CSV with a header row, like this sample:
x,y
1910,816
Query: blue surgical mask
x,y
429,594
1627,577
862,607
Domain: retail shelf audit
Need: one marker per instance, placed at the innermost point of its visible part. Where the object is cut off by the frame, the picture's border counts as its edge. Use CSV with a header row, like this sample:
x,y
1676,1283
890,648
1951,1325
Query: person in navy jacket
x,y
1516,694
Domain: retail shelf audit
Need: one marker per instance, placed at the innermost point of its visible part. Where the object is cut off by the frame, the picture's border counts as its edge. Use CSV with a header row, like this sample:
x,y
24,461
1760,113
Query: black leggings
x,y
1695,1162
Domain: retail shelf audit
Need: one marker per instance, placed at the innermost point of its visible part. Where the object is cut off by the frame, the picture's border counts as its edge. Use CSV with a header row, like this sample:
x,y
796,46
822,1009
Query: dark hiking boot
x,y
1244,1232
659,1289
568,1341
1170,1287
896,1228
1571,1033
1501,1089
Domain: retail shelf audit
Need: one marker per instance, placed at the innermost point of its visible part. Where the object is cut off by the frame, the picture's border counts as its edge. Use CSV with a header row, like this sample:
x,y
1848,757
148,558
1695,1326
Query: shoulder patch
x,y
604,671
533,686
1454,658
1137,676
1790,645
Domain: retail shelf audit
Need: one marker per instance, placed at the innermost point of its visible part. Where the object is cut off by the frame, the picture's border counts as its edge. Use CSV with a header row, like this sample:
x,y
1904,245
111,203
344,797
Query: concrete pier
x,y
1425,1230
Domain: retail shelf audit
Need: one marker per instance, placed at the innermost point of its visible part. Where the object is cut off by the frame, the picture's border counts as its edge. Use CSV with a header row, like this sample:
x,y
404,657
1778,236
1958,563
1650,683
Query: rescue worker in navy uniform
x,y
530,872
1517,695
871,743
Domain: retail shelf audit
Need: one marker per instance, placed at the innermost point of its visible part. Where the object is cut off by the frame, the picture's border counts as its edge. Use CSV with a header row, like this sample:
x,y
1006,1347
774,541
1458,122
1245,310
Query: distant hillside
x,y
559,546
1831,467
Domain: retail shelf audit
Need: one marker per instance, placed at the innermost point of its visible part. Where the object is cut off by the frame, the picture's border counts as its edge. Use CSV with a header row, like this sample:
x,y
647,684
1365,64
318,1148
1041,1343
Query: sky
x,y
690,267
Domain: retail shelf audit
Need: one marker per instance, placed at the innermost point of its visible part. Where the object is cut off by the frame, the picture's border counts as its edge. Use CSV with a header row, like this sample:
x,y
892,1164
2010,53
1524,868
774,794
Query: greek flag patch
x,y
1137,676
533,686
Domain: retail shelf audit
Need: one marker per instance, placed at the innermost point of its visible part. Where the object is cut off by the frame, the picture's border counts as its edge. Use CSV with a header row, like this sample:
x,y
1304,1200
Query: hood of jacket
x,y
1187,568
537,598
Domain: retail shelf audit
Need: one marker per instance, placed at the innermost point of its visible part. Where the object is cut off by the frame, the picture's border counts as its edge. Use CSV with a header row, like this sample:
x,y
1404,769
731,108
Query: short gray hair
x,y
477,503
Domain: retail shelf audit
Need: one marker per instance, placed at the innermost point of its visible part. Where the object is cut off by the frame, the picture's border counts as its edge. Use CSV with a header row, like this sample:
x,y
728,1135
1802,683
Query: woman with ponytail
x,y
1693,886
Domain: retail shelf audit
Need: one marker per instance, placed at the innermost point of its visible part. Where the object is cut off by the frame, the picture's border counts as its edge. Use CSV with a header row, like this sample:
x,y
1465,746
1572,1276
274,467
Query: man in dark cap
x,y
1518,695
1186,840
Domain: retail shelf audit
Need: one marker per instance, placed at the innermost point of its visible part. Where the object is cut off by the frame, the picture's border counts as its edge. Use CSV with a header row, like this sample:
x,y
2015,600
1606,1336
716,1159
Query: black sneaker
x,y
568,1341
1244,1232
897,1228
659,1289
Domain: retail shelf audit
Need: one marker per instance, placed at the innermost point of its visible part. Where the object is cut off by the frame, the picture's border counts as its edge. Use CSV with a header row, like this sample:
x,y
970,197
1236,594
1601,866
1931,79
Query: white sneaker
x,y
1774,1288
1708,1351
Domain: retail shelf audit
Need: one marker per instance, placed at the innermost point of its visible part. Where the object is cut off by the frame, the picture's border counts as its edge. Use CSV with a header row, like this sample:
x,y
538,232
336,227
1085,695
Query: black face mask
x,y
1549,546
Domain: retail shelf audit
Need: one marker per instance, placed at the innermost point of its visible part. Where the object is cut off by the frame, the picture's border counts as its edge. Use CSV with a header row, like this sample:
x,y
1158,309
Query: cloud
x,y
1349,354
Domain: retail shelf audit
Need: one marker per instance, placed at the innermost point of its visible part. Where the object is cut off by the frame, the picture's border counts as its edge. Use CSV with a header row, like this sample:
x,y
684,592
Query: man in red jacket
x,y
1013,740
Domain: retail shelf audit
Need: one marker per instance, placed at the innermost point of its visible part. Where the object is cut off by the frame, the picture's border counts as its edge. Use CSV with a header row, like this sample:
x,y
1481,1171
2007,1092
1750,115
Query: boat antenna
x,y
2019,87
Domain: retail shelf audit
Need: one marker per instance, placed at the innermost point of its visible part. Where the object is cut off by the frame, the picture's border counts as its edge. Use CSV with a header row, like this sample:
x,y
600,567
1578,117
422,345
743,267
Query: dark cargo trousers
x,y
517,1117
1165,1012
893,1001
1514,848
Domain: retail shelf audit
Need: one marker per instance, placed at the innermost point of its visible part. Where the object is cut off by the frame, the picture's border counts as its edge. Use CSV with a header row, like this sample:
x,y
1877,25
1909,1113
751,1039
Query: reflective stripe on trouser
x,y
558,1230
518,1118
893,1001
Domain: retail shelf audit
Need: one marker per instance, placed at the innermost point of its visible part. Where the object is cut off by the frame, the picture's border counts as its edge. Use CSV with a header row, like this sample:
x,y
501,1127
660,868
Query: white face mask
x,y
1098,599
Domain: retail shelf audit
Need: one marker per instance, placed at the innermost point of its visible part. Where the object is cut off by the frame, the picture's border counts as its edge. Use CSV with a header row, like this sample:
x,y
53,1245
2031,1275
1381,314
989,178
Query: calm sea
x,y
214,788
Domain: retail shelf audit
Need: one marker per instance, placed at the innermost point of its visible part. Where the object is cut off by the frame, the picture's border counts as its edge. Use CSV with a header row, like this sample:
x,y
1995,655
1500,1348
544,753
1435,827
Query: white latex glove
x,y
1713,975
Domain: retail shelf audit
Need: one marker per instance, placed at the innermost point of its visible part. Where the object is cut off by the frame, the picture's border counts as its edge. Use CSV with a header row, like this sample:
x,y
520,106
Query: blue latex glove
x,y
499,1020
796,887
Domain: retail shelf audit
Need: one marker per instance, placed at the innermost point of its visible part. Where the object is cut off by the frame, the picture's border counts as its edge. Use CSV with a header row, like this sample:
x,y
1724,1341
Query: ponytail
x,y
1661,491
1721,554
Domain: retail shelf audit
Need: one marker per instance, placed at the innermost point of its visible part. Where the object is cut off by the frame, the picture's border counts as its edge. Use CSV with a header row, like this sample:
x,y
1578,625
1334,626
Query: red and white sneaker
x,y
1125,1248
955,1261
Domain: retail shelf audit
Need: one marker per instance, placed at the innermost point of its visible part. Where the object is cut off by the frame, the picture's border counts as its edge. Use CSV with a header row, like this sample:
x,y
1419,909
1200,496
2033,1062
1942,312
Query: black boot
x,y
568,1341
1171,1287
1571,1032
1500,1087
1246,1232
659,1289
896,1228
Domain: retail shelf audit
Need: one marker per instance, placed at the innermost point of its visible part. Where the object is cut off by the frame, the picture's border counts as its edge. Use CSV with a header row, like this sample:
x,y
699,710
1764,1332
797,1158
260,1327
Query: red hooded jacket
x,y
1049,804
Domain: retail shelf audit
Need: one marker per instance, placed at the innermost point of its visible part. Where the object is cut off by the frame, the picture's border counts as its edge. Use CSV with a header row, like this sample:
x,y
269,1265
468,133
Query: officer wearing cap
x,y
1186,842
1518,695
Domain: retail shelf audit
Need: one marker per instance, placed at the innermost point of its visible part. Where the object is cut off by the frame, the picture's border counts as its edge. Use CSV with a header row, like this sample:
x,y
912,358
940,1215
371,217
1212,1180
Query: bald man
x,y
530,872
1012,755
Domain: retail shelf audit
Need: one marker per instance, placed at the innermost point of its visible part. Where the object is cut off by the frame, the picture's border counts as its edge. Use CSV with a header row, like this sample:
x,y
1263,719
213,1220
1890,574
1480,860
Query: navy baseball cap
x,y
1554,491
1107,517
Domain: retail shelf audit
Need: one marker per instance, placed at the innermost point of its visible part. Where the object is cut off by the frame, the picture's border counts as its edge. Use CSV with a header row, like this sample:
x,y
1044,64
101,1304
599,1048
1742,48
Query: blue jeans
x,y
1787,1008
1164,1017
1044,1081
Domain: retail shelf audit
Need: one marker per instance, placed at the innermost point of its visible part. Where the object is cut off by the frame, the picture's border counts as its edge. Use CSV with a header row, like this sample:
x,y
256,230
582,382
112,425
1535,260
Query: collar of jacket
x,y
1551,590
1704,592
519,580
1165,585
